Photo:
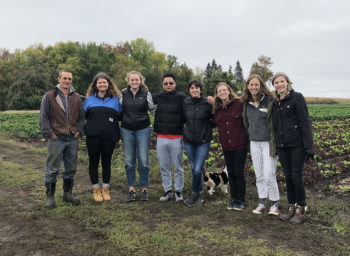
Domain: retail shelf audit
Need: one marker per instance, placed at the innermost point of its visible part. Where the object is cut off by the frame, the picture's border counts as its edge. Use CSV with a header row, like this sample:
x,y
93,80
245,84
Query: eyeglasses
x,y
170,83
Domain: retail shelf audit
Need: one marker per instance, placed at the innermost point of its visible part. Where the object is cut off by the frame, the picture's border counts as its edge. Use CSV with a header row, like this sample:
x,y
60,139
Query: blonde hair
x,y
218,103
142,78
112,88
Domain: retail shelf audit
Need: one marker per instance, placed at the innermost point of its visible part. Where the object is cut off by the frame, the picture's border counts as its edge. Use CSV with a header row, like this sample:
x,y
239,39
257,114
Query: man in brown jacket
x,y
61,122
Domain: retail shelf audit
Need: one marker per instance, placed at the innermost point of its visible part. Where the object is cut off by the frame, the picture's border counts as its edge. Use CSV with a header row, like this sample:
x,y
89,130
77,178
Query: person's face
x,y
223,92
254,86
281,85
65,80
134,81
195,92
169,84
102,85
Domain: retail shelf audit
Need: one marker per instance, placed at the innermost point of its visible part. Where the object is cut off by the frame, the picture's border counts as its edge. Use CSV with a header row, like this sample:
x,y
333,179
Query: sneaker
x,y
274,210
260,209
178,197
167,196
131,196
144,196
191,199
238,206
231,205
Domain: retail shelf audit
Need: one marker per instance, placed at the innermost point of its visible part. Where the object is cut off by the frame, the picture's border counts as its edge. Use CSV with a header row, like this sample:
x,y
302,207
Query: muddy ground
x,y
26,228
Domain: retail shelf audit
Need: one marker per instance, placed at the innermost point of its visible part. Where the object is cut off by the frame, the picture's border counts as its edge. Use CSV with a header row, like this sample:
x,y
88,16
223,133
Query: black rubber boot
x,y
50,195
67,192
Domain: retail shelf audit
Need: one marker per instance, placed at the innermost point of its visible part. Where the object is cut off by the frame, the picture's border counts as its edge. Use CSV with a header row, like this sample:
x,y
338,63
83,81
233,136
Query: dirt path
x,y
26,228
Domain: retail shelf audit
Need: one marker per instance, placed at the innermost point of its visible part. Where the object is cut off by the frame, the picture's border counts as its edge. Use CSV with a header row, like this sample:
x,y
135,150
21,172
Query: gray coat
x,y
270,126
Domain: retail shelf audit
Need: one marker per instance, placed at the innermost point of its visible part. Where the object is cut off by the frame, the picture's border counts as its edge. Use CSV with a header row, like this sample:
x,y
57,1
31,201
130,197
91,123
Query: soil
x,y
24,225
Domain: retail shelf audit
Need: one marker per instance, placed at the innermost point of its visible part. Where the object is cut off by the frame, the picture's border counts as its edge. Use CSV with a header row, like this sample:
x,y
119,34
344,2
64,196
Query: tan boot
x,y
299,215
97,195
105,193
290,214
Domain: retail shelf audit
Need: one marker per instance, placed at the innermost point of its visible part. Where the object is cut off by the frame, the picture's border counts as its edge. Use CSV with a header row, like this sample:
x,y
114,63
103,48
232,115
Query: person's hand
x,y
76,135
54,136
309,157
210,100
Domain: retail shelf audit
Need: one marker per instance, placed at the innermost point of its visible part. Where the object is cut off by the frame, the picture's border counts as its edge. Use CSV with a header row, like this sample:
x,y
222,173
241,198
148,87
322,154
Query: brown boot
x,y
299,215
105,193
97,195
290,214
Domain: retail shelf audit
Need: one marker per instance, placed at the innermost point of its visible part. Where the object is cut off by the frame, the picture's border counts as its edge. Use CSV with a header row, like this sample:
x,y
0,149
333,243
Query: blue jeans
x,y
58,150
136,144
196,154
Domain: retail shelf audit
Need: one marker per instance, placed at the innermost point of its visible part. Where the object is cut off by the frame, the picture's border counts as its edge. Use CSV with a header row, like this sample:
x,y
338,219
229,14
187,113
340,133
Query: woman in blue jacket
x,y
102,130
294,142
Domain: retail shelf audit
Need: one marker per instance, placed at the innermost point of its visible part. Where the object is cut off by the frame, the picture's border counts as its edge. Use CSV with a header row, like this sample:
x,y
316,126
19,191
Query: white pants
x,y
265,170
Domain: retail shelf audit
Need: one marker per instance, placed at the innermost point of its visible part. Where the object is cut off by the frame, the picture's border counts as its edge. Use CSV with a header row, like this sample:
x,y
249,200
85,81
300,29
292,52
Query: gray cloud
x,y
306,39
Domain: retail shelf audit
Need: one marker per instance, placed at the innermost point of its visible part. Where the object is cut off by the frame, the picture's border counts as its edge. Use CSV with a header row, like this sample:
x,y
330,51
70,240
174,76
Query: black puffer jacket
x,y
198,126
292,122
169,118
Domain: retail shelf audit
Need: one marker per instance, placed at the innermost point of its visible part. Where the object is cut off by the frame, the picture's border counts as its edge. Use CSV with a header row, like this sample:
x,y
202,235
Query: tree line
x,y
25,75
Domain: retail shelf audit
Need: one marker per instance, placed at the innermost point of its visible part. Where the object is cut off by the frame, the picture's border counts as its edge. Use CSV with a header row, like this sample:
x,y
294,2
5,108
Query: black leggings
x,y
292,161
99,148
235,161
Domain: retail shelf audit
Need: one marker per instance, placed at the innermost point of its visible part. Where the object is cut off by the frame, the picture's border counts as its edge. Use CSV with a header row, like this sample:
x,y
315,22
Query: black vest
x,y
135,110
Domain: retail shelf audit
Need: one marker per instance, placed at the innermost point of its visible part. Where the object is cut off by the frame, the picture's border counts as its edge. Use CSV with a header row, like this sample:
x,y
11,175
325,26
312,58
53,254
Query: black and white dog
x,y
214,180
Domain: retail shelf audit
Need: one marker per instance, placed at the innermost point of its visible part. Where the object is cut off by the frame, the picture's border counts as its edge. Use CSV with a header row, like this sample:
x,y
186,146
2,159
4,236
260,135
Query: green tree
x,y
141,50
6,76
238,74
214,74
32,78
262,68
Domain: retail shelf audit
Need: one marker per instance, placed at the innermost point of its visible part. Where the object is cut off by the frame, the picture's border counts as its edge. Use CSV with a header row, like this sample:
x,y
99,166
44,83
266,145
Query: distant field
x,y
319,100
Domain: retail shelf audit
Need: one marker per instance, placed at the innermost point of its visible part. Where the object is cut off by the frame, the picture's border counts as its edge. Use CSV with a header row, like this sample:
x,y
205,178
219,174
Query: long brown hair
x,y
218,103
142,78
247,96
112,88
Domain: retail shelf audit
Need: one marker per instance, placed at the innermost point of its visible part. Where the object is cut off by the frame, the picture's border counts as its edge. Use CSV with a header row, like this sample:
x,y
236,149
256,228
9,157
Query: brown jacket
x,y
65,118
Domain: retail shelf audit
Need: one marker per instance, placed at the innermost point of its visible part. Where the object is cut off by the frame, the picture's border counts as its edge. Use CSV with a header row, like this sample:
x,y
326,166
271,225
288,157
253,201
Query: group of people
x,y
268,124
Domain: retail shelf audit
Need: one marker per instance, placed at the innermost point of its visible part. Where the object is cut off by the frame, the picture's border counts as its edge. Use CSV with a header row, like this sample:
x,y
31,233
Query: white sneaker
x,y
274,210
167,196
260,209
178,197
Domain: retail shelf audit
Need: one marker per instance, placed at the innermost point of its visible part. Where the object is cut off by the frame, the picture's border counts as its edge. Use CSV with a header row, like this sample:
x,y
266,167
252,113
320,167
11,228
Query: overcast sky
x,y
308,40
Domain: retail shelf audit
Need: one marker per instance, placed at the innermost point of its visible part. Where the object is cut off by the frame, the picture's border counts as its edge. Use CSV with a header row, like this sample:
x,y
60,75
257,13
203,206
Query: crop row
x,y
320,112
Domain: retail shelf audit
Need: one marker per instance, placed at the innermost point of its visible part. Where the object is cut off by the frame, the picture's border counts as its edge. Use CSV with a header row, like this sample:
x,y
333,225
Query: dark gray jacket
x,y
269,123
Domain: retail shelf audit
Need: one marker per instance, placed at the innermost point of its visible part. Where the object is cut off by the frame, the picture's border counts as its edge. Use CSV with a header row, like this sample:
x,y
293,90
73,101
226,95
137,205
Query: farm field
x,y
154,228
